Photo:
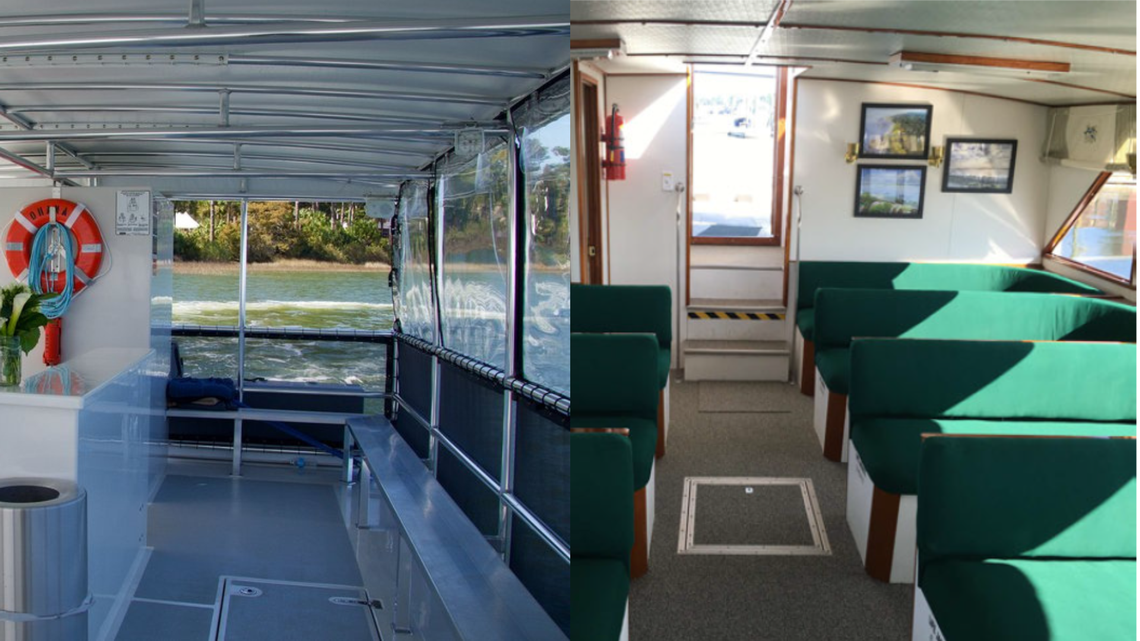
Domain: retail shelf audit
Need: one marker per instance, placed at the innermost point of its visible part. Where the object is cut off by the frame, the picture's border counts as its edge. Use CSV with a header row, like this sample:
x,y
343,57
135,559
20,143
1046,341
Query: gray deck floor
x,y
282,525
756,598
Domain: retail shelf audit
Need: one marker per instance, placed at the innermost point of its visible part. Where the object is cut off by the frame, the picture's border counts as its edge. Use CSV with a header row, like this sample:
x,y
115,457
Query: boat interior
x,y
854,301
285,347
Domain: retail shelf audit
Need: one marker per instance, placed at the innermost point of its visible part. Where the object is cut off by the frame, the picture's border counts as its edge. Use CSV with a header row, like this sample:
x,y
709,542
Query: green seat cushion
x,y
891,448
599,589
601,496
642,437
1054,600
663,362
805,320
835,368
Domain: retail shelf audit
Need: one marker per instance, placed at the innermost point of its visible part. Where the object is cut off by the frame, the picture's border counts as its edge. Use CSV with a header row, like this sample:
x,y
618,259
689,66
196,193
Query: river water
x,y
311,299
319,299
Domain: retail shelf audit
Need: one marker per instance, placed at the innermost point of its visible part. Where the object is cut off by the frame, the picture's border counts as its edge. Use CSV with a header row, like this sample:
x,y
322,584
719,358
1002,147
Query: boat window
x,y
1100,235
474,204
416,297
207,248
544,128
733,154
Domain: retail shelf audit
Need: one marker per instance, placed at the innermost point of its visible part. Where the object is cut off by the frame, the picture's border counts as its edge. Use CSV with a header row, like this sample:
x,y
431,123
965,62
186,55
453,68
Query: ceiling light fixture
x,y
933,62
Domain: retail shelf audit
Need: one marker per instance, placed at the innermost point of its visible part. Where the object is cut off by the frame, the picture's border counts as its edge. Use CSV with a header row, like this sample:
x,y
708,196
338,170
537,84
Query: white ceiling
x,y
317,88
833,38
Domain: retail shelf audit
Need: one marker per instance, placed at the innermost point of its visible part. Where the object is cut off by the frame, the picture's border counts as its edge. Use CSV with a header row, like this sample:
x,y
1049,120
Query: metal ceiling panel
x,y
744,10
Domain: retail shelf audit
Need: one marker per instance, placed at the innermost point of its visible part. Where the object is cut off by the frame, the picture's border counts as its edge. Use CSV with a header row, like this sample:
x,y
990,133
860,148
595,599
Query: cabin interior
x,y
822,252
364,440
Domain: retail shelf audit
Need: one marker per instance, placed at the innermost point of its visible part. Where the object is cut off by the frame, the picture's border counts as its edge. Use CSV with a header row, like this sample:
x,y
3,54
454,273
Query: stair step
x,y
736,305
735,267
774,348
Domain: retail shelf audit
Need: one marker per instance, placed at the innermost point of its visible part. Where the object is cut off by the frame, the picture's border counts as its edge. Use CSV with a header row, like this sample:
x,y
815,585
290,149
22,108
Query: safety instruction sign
x,y
132,215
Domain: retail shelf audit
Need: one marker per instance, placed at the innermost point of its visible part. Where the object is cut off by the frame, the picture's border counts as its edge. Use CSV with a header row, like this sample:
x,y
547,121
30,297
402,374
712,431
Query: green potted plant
x,y
20,323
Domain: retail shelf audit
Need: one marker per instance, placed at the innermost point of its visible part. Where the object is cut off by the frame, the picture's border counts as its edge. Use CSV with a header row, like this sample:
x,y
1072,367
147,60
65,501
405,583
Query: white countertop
x,y
70,384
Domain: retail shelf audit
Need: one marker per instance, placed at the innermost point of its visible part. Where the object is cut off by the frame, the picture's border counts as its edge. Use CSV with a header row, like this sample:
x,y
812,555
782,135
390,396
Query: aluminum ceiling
x,y
852,39
262,98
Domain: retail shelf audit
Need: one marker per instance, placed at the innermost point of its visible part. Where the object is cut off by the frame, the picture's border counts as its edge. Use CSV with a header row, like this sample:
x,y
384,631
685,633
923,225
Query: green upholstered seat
x,y
603,309
814,275
805,320
601,535
1029,538
599,589
890,448
999,600
642,436
834,368
843,315
614,377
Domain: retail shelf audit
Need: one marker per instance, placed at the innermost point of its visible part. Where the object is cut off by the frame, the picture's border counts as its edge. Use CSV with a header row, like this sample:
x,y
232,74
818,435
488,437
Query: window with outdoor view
x,y
733,131
1102,234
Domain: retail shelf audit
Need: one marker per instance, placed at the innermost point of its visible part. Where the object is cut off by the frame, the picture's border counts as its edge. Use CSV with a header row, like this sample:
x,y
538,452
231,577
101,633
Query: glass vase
x,y
11,361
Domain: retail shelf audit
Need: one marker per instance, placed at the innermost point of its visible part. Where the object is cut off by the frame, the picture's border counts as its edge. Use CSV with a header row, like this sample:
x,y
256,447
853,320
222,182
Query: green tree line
x,y
330,232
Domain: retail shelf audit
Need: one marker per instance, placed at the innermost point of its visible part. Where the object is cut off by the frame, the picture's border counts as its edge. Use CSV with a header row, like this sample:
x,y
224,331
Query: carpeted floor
x,y
756,598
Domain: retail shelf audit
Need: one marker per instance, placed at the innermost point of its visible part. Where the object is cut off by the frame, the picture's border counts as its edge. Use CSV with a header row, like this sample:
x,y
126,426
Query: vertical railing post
x,y
242,273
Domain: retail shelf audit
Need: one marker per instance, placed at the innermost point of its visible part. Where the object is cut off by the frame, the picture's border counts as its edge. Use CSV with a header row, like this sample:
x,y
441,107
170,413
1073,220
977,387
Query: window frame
x,y
1094,190
779,160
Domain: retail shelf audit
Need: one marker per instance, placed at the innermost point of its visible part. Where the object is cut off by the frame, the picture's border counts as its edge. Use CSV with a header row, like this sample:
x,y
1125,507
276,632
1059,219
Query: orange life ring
x,y
74,217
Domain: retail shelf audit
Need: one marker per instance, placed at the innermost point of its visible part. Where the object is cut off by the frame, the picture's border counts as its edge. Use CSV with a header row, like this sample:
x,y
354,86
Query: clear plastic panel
x,y
474,208
416,300
1104,234
544,125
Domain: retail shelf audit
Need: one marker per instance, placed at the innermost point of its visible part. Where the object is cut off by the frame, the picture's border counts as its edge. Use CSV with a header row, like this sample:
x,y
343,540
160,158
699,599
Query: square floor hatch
x,y
751,516
254,610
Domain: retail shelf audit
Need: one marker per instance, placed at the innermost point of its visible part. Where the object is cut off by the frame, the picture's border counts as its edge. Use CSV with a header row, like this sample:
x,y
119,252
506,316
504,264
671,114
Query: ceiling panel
x,y
744,10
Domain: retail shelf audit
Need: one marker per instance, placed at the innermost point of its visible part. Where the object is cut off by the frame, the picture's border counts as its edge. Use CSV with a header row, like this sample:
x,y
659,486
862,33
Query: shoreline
x,y
205,267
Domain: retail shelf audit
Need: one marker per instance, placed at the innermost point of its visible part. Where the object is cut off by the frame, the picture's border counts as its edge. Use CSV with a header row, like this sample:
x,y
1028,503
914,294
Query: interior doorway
x,y
589,184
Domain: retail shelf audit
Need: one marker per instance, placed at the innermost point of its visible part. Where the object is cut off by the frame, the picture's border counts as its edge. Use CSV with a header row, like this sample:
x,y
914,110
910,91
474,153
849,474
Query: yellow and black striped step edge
x,y
719,315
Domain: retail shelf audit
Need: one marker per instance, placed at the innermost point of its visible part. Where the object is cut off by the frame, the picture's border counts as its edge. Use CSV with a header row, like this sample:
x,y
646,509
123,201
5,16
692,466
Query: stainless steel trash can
x,y
43,560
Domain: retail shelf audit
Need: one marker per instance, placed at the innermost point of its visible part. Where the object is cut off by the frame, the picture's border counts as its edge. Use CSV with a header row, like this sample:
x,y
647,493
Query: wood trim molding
x,y
639,556
689,195
596,43
833,441
580,166
933,88
881,533
792,184
1093,271
1080,87
910,32
959,34
981,61
807,358
781,140
1093,190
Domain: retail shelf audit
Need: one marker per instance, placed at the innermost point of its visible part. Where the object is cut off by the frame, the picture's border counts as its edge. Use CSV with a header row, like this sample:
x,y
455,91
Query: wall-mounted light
x,y
936,155
852,152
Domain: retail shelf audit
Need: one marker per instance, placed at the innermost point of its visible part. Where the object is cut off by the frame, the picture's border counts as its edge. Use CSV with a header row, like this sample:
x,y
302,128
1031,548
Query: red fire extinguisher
x,y
615,148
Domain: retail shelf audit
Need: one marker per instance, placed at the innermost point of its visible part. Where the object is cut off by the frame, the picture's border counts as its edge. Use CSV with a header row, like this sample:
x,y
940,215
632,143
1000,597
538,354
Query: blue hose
x,y
37,267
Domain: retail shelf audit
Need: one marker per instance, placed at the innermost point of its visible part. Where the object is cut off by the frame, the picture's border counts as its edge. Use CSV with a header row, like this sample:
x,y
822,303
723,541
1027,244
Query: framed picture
x,y
889,191
979,166
895,131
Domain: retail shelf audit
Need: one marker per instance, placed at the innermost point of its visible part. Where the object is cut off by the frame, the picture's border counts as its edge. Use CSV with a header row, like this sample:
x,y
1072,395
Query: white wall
x,y
115,310
1000,228
642,218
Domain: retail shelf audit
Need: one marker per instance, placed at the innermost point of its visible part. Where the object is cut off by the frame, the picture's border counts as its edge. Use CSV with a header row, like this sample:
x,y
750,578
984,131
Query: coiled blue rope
x,y
39,263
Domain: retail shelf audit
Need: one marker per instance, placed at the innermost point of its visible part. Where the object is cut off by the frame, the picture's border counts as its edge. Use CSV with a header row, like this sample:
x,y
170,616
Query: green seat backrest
x,y
814,275
614,374
909,378
599,309
844,314
601,496
1007,498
